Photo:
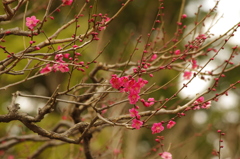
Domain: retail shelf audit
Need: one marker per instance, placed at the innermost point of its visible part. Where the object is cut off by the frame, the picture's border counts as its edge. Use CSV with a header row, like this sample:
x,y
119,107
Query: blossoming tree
x,y
57,55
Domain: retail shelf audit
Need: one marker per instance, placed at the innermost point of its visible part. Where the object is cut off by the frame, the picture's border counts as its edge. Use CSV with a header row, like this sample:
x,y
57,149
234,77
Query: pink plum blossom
x,y
129,85
104,20
61,67
200,99
171,124
66,55
134,113
206,105
137,123
166,155
125,83
157,128
131,82
142,82
133,98
115,81
177,52
46,69
197,107
59,57
199,103
202,36
31,22
135,88
187,75
59,47
149,102
154,56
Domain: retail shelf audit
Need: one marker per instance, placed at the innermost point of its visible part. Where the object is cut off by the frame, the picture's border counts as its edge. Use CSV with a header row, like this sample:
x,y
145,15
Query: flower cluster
x,y
136,123
129,85
158,127
59,66
132,87
105,19
31,22
199,103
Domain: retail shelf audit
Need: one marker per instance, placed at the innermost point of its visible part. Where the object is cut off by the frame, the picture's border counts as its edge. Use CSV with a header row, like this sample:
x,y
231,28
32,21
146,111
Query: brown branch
x,y
16,31
7,142
10,12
